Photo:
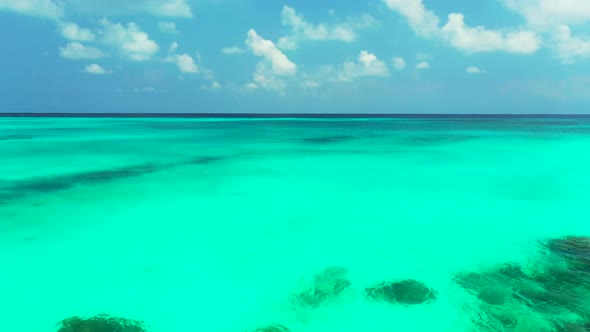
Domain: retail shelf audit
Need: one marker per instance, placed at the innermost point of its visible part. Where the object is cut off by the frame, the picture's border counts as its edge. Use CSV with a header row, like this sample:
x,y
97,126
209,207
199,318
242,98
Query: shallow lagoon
x,y
217,224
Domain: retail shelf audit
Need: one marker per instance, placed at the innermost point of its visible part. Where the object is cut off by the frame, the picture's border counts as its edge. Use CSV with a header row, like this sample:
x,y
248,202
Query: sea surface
x,y
210,224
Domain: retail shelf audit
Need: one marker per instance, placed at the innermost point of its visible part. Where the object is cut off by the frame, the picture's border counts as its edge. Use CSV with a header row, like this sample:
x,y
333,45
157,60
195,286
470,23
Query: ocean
x,y
296,224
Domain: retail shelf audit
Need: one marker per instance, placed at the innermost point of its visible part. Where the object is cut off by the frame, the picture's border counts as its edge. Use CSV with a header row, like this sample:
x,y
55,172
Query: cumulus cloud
x,y
302,30
95,69
72,31
422,20
173,47
461,36
422,65
232,50
129,40
480,39
42,8
548,13
555,18
185,62
474,70
274,61
569,48
213,86
251,86
399,63
168,27
265,77
367,64
177,8
77,50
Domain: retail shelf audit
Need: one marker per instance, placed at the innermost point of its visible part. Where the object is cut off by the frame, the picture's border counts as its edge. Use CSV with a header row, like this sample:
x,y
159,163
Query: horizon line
x,y
281,115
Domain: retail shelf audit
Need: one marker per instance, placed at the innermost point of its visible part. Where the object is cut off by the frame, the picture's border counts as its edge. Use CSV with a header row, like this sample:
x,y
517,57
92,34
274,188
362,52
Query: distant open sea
x,y
262,223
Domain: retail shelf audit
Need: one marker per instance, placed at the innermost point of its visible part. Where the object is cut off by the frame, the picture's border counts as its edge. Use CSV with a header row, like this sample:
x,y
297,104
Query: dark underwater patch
x,y
328,139
432,140
325,285
272,328
205,160
100,323
408,292
19,189
15,137
554,293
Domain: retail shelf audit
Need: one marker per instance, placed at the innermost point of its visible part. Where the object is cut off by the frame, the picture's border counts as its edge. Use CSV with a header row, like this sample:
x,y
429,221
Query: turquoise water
x,y
218,224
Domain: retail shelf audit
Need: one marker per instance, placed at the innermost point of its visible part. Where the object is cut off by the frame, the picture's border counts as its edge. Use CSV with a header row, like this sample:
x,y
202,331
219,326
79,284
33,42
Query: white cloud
x,y
76,51
310,84
474,70
547,13
399,63
95,69
422,20
301,30
465,38
287,43
161,8
569,48
232,50
131,41
41,8
554,18
168,27
367,65
251,86
265,77
277,61
186,64
422,65
213,86
177,8
72,31
480,39
173,47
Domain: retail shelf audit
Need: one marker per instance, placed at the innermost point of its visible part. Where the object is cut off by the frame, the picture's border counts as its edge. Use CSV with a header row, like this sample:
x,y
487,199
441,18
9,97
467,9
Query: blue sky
x,y
376,56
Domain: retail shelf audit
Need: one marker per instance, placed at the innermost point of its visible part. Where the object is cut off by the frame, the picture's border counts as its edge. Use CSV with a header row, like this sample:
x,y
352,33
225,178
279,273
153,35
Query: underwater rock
x,y
572,327
493,295
326,284
576,249
507,274
504,318
472,281
100,323
406,291
512,271
272,328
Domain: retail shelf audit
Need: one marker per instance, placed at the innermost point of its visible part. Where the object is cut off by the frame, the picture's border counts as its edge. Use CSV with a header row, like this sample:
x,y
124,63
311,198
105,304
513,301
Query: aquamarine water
x,y
215,224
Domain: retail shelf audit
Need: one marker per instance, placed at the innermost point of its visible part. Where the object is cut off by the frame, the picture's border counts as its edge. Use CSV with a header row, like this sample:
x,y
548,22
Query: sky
x,y
298,56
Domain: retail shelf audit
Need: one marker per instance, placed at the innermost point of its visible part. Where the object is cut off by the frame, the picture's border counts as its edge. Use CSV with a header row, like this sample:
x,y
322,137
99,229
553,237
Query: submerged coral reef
x,y
407,292
100,323
552,295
